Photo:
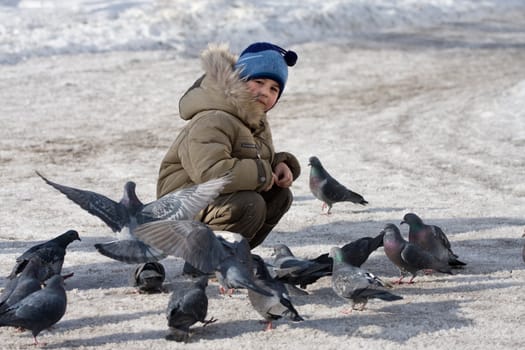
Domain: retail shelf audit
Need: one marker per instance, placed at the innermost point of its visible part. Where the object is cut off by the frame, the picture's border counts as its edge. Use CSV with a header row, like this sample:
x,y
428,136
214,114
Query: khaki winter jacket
x,y
227,132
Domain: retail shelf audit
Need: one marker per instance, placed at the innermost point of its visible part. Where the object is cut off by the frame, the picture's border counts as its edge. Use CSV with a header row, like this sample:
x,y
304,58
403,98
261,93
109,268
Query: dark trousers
x,y
249,213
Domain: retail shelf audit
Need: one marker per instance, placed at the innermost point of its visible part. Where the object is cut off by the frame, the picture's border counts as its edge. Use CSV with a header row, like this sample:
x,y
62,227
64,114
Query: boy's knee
x,y
248,206
278,204
241,212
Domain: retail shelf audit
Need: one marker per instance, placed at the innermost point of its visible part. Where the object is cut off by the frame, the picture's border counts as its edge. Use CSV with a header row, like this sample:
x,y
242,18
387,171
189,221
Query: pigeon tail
x,y
387,296
446,270
254,287
291,312
456,264
130,251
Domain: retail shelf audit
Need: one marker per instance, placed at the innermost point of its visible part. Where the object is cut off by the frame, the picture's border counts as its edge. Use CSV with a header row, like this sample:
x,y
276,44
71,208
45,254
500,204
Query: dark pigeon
x,y
39,310
409,257
22,285
187,307
277,305
50,253
149,277
123,216
356,252
432,239
358,285
296,271
198,245
327,189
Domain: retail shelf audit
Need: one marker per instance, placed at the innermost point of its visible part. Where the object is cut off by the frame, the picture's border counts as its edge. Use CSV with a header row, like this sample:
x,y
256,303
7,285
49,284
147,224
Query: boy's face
x,y
266,91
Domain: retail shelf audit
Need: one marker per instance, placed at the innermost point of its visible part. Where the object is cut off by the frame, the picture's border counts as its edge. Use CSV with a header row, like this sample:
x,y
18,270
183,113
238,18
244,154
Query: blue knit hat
x,y
265,60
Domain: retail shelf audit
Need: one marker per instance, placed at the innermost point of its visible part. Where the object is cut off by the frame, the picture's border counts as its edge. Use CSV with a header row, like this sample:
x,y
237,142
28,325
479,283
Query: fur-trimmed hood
x,y
221,88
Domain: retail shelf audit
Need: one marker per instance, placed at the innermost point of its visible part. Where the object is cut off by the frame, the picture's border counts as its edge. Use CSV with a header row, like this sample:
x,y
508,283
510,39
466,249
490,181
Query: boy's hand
x,y
283,176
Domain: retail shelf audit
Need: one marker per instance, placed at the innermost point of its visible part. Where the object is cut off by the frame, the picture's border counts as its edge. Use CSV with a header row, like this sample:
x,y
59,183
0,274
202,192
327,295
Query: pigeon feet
x,y
269,325
207,322
224,291
347,311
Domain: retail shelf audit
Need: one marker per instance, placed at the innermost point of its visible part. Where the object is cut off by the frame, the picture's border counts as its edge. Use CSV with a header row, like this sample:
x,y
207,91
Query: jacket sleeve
x,y
290,160
207,153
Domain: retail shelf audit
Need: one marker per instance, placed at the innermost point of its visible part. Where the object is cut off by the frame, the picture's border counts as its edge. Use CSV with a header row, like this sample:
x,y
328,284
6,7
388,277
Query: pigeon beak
x,y
402,222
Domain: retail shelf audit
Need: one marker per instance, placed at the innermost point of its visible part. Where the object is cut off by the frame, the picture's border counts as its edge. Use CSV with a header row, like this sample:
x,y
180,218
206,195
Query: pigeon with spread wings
x,y
123,216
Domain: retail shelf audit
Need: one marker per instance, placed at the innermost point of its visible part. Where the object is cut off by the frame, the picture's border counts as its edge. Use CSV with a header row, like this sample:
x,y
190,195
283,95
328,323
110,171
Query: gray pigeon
x,y
358,285
432,239
148,277
523,249
22,285
294,270
187,307
50,253
409,257
198,245
327,189
39,310
277,305
356,252
123,216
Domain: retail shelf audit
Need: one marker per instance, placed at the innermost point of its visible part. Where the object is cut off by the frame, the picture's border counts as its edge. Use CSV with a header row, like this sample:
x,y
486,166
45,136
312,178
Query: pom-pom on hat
x,y
265,60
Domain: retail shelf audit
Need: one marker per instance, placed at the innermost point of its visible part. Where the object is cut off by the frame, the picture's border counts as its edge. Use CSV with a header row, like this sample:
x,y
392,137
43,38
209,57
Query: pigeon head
x,y
69,237
314,161
151,266
412,220
280,250
391,231
130,199
260,267
55,281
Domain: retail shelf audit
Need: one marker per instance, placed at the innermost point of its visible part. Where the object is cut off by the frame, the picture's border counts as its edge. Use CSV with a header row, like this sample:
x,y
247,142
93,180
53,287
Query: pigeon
x,y
187,307
123,216
148,277
358,285
277,305
294,270
51,254
327,189
523,249
409,257
22,285
432,239
356,252
198,245
39,310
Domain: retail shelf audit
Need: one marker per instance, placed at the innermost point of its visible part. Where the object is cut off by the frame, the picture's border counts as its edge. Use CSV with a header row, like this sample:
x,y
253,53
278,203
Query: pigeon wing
x,y
336,192
416,257
184,204
114,214
190,240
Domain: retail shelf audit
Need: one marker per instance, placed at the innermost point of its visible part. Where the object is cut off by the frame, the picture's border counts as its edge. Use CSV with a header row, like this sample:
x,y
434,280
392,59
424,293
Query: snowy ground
x,y
428,121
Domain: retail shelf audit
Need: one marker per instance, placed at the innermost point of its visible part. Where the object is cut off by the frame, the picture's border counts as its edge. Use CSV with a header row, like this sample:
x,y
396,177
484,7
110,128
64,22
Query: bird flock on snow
x,y
34,297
